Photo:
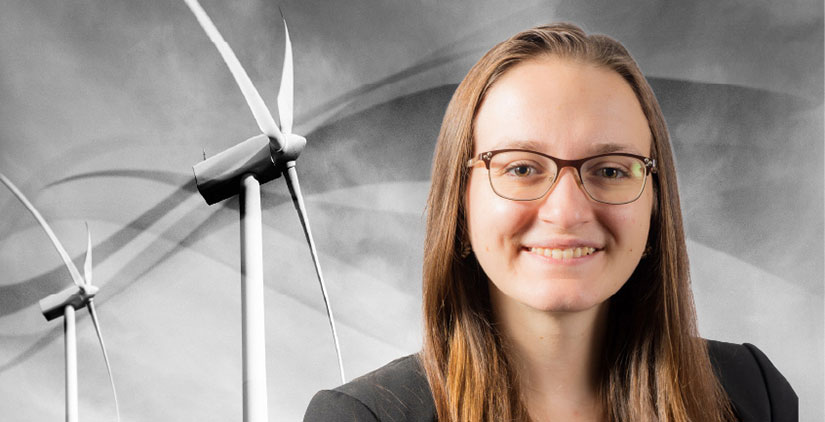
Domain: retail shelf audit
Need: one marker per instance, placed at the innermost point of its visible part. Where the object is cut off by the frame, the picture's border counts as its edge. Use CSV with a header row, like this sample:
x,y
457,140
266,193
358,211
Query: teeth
x,y
564,253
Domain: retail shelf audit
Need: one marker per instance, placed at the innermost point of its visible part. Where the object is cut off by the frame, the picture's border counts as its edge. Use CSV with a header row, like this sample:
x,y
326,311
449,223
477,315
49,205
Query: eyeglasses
x,y
523,175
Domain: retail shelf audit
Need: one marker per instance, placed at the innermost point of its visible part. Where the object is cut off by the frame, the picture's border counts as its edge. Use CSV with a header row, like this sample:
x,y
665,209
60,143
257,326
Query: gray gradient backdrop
x,y
106,105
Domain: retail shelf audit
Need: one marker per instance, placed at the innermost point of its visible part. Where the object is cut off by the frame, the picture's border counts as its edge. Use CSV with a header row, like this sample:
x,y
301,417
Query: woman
x,y
555,272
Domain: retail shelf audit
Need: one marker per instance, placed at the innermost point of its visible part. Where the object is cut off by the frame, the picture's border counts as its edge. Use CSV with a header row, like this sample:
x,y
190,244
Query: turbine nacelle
x,y
54,305
219,177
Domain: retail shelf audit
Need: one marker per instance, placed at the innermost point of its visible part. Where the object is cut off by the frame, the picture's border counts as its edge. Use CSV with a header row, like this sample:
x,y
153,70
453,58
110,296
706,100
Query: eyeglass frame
x,y
486,157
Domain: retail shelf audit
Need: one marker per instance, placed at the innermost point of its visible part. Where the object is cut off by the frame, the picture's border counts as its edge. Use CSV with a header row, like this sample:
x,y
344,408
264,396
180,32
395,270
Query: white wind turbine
x,y
65,303
240,170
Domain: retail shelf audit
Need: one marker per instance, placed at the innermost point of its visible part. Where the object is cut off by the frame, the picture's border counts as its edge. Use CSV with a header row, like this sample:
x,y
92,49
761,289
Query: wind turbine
x,y
64,303
240,170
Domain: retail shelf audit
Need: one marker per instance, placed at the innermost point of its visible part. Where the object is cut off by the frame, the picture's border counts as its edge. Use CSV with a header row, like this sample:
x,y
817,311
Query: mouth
x,y
567,253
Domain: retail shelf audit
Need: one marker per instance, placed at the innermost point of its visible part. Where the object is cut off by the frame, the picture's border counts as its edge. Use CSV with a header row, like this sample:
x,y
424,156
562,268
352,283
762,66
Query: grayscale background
x,y
106,105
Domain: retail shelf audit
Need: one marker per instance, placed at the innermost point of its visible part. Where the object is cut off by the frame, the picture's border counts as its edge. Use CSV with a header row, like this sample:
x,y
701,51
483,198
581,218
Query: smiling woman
x,y
521,245
555,274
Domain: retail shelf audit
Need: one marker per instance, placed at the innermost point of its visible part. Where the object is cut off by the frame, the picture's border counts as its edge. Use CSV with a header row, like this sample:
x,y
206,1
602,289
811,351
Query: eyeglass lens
x,y
524,176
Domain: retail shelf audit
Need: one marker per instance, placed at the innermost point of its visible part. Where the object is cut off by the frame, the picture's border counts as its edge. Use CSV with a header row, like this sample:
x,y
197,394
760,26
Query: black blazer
x,y
399,391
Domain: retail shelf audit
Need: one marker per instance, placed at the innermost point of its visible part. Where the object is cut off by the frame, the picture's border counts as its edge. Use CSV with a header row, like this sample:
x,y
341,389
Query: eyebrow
x,y
519,144
608,147
595,149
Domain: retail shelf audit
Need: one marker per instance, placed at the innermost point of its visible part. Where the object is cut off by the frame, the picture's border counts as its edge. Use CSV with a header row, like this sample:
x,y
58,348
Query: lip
x,y
562,261
563,244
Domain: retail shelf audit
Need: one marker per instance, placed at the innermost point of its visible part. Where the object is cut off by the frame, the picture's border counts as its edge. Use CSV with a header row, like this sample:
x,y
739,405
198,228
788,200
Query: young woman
x,y
556,280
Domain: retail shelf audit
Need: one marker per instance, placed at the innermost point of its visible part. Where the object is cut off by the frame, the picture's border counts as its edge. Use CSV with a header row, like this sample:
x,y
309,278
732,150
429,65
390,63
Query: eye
x,y
521,170
611,173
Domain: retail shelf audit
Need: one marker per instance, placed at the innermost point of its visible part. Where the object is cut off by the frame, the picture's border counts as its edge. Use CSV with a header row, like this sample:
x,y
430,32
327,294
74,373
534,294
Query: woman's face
x,y
568,110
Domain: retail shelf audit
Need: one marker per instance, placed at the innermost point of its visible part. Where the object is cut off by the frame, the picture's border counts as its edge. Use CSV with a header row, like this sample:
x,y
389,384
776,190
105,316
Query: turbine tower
x,y
66,302
241,170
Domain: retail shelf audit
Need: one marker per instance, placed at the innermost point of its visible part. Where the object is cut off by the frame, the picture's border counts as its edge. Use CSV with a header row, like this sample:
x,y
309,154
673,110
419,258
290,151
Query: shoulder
x,y
756,388
397,391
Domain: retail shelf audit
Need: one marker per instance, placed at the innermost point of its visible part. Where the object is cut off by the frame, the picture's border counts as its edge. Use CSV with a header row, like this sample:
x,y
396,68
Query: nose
x,y
566,204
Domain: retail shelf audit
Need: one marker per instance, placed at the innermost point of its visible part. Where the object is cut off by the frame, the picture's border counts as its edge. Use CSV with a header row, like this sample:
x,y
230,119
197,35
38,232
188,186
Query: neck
x,y
556,356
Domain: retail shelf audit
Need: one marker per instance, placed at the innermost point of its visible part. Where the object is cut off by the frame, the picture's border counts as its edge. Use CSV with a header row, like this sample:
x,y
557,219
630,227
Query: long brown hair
x,y
656,367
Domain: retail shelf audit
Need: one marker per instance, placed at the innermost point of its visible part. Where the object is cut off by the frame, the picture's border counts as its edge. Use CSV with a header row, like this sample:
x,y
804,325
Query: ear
x,y
654,212
655,222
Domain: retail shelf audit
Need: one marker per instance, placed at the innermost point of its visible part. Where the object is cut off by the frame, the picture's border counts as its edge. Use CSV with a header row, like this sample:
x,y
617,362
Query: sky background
x,y
107,105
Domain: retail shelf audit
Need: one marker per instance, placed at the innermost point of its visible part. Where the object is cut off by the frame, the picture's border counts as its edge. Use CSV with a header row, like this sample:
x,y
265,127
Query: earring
x,y
466,248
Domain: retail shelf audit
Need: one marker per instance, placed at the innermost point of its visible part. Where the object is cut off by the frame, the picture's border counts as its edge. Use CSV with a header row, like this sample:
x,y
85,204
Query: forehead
x,y
562,107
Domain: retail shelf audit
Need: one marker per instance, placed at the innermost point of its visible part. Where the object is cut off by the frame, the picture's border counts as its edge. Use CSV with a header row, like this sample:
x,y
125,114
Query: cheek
x,y
492,221
630,226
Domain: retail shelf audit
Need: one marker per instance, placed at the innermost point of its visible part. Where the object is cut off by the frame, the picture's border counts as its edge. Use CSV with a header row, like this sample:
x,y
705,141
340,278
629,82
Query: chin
x,y
561,297
563,305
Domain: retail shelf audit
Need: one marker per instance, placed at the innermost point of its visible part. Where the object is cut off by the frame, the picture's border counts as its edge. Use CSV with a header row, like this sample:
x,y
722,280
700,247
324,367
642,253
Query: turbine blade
x,y
87,265
287,90
259,109
76,277
91,306
298,201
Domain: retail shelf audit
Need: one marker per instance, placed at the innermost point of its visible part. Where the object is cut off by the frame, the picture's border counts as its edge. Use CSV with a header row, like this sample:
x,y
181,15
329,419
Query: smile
x,y
568,253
